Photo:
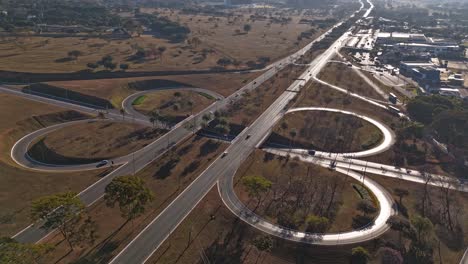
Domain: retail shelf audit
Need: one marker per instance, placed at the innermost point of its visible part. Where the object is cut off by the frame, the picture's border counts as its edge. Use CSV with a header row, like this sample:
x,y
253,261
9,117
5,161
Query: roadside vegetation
x,y
131,202
435,118
430,226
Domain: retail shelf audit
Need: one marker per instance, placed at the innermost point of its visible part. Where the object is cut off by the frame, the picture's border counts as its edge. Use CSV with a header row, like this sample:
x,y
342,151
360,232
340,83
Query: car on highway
x,y
248,136
311,152
102,163
224,154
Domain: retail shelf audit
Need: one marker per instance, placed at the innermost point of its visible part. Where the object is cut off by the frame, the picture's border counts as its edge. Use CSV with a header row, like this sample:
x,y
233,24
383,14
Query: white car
x,y
102,163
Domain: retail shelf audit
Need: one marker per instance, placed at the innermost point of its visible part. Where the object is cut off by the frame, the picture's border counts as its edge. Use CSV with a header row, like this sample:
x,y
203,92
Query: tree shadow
x,y
166,170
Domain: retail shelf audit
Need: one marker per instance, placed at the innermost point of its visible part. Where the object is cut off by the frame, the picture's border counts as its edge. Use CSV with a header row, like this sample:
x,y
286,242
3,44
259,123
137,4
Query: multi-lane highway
x,y
140,159
143,246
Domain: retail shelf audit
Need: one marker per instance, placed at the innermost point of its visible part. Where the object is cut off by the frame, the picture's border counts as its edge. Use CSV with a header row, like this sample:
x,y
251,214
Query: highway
x,y
148,240
34,233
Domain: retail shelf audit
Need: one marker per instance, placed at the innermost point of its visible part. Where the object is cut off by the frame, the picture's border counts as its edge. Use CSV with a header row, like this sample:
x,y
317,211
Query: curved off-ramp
x,y
388,135
379,227
19,151
127,103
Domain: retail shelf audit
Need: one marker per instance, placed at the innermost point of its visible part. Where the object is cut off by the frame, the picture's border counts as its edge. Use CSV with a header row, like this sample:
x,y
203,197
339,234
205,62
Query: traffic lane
x,y
388,134
149,240
378,169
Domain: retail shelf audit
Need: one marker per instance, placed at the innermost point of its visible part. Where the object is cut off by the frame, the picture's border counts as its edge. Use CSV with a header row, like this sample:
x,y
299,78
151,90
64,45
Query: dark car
x,y
311,152
102,163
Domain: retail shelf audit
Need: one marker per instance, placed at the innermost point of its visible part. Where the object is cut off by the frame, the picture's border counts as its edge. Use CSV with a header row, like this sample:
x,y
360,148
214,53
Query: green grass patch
x,y
362,192
372,140
206,95
139,100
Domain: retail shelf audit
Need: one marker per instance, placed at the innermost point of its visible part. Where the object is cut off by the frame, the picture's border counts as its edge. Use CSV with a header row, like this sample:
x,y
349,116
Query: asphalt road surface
x,y
144,245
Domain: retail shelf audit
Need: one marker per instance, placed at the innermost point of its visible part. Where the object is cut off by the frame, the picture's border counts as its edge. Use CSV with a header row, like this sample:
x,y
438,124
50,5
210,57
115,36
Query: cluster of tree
x,y
12,251
163,27
295,204
156,118
446,119
366,218
108,63
66,213
419,232
27,13
150,53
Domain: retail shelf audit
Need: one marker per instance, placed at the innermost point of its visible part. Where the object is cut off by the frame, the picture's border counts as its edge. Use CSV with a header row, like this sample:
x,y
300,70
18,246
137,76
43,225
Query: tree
x,y
161,50
247,27
106,60
74,54
12,251
124,66
390,256
399,224
256,185
155,116
317,224
224,62
63,211
110,65
366,207
293,134
401,193
131,195
263,243
92,65
359,255
423,227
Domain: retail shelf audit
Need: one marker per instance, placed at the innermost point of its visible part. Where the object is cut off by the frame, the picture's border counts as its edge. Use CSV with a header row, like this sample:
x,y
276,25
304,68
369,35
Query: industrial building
x,y
424,73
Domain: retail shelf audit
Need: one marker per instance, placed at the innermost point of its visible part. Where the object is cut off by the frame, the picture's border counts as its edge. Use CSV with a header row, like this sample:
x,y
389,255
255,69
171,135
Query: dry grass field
x,y
92,141
215,38
173,103
316,94
326,131
116,90
341,75
292,198
19,186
